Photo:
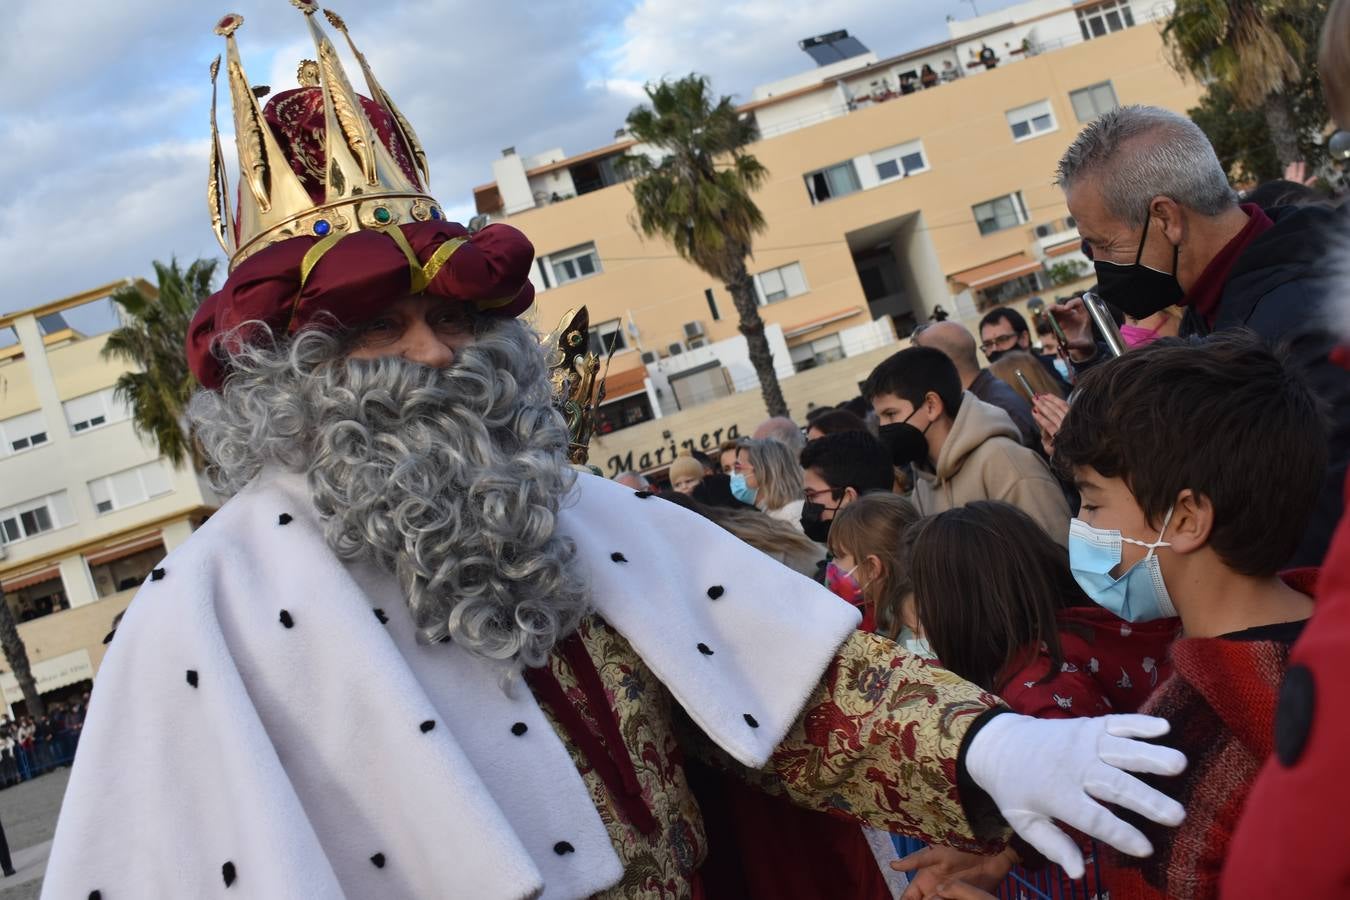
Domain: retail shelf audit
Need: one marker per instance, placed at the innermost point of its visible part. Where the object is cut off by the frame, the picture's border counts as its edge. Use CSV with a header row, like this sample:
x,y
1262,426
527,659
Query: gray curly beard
x,y
449,479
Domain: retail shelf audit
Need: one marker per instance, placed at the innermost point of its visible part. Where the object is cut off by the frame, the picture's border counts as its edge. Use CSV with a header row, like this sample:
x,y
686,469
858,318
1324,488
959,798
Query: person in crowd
x,y
1049,341
1164,228
686,474
959,346
1005,370
833,421
635,480
726,456
1202,534
783,430
1003,329
710,466
1025,630
416,653
907,84
988,58
1302,786
768,477
770,536
870,546
962,449
9,767
1161,324
837,469
928,77
949,71
1280,192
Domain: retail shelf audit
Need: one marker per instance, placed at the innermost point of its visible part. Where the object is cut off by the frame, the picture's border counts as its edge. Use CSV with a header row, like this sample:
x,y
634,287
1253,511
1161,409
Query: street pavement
x,y
28,813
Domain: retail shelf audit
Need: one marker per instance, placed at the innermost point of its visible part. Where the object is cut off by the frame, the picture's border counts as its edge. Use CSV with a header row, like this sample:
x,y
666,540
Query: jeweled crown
x,y
361,166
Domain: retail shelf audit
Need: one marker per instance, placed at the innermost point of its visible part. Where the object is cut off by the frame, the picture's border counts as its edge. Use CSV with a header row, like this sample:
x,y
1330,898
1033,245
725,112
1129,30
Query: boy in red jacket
x,y
1198,463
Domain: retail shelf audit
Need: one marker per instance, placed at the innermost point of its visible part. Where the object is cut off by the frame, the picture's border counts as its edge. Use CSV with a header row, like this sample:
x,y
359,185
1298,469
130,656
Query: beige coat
x,y
983,459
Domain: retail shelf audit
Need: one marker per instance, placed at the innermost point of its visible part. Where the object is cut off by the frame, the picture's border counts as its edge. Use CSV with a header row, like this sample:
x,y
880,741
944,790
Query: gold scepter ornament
x,y
577,381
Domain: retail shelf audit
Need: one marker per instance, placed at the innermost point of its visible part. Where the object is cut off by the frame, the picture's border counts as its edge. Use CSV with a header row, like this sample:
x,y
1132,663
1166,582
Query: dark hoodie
x,y
1276,288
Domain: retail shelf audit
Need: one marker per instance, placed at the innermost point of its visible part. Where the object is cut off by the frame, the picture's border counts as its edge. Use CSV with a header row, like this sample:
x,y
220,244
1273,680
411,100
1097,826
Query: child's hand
x,y
1049,412
933,867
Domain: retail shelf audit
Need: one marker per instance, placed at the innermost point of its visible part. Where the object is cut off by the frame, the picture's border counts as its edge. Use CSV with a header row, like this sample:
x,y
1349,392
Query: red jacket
x,y
1292,836
1110,666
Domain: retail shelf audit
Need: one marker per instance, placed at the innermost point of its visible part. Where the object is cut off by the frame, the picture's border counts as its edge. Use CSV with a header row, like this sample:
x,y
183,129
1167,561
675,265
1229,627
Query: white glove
x,y
1039,770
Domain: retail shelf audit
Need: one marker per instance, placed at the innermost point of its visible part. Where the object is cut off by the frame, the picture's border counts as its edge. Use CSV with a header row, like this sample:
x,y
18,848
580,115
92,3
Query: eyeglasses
x,y
1002,342
834,493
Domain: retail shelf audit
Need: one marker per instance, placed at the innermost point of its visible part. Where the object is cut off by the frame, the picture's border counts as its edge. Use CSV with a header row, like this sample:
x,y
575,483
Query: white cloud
x,y
105,108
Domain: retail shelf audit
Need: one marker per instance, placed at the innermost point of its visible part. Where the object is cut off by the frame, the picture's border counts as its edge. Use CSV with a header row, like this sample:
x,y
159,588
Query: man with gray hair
x,y
1163,227
783,430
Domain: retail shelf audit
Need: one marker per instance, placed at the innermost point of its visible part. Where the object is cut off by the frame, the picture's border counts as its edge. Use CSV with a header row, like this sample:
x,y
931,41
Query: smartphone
x,y
1026,385
1101,317
1059,332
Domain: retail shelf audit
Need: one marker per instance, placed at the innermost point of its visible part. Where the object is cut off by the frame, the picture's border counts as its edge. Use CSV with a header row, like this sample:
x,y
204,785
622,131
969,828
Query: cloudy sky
x,y
103,106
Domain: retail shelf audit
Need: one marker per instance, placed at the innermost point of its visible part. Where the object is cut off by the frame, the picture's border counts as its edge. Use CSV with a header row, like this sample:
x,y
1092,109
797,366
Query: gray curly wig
x,y
449,479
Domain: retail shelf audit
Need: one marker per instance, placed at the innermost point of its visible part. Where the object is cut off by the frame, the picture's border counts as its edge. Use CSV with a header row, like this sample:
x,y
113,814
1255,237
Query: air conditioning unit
x,y
693,330
675,349
1045,230
649,357
697,343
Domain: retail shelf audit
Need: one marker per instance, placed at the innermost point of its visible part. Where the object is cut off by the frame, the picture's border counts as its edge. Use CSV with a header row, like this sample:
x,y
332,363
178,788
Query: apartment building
x,y
885,201
87,507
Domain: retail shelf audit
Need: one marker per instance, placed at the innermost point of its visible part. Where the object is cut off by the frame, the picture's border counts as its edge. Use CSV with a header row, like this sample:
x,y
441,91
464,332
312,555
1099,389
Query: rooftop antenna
x,y
973,8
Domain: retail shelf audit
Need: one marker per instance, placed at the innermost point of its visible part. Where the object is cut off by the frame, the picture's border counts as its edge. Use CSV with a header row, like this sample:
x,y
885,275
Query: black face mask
x,y
905,442
816,528
1136,289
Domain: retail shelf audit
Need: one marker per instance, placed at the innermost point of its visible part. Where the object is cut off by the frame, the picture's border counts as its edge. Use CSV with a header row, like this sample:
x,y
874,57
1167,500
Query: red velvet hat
x,y
332,221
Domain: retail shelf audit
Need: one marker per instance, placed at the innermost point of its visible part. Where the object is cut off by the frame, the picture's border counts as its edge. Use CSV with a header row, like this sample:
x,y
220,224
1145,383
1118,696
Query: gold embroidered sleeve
x,y
877,741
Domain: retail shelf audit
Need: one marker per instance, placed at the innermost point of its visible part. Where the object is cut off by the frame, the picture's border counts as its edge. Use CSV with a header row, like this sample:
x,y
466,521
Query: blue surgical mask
x,y
916,645
742,491
1139,594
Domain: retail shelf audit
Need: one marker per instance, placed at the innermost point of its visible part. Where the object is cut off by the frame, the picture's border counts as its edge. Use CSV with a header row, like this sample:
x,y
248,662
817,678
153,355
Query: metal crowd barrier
x,y
25,765
1049,883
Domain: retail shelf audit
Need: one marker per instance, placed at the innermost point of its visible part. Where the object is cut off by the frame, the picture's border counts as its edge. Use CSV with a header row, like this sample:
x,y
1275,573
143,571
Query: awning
x,y
1072,245
793,331
992,274
31,578
125,549
50,674
626,383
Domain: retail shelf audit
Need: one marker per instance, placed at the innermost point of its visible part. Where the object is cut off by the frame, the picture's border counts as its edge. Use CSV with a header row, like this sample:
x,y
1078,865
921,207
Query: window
x,y
575,264
712,304
817,353
633,410
23,432
700,385
33,601
899,161
92,410
1031,120
129,487
1097,21
1003,212
1090,102
835,181
780,283
23,520
125,572
1008,291
607,337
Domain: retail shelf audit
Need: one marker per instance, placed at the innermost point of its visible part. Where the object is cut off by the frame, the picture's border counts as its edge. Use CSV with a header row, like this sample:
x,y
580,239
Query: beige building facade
x,y
87,507
885,201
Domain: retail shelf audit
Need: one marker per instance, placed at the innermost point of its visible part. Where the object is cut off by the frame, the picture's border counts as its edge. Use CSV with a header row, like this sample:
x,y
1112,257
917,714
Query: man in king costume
x,y
417,654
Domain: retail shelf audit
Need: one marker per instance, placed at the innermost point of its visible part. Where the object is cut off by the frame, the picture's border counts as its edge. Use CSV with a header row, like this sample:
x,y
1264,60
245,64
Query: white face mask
x,y
914,644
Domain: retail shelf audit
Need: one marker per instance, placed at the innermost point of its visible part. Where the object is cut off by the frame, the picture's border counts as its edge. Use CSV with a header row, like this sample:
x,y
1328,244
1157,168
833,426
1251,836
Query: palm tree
x,y
697,196
160,384
11,644
1254,48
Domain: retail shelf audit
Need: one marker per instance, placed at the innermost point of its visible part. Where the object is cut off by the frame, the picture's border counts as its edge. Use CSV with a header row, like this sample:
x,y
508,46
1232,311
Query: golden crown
x,y
354,176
